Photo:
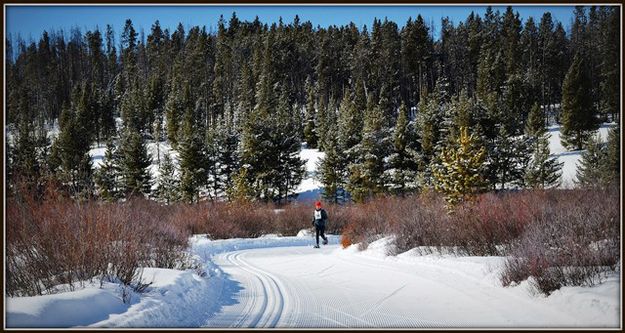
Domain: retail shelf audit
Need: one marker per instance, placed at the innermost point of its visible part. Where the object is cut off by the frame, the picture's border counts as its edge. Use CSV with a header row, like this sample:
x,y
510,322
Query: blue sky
x,y
30,21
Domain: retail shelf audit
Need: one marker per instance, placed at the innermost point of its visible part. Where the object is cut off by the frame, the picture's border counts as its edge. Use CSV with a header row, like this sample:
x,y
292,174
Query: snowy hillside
x,y
283,282
570,158
310,188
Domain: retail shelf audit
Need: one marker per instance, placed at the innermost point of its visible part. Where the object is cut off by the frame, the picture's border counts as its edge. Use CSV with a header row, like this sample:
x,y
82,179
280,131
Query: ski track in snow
x,y
282,282
300,287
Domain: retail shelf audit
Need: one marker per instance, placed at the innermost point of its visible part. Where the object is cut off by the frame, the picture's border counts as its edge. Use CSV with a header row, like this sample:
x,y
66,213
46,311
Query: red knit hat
x,y
318,204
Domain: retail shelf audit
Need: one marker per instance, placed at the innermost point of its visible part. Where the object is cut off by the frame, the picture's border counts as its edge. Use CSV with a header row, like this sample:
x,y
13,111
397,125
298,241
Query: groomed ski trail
x,y
299,287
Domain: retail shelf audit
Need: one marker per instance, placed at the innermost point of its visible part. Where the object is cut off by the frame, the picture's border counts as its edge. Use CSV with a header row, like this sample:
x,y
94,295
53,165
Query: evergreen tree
x,y
222,146
212,167
460,173
192,160
591,167
173,113
349,132
332,170
613,158
507,159
428,129
610,86
310,135
107,117
531,59
155,100
24,164
491,71
168,183
535,125
134,164
129,50
402,167
365,176
578,116
326,117
133,107
107,177
242,190
543,171
290,168
511,35
246,94
229,158
416,51
71,149
256,154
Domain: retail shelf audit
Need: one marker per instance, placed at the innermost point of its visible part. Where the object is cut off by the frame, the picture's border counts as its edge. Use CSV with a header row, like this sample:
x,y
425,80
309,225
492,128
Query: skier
x,y
320,217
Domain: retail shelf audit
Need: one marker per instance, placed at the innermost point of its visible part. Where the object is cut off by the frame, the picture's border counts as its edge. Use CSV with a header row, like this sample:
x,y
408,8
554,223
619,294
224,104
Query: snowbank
x,y
76,308
596,306
173,299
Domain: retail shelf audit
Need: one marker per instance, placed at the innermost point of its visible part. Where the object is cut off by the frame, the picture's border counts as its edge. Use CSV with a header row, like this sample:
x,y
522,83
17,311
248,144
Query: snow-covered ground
x,y
570,158
310,188
277,281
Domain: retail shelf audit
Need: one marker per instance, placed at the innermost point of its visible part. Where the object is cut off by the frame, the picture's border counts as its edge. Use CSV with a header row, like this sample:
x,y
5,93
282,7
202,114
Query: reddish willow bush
x,y
572,240
60,241
558,237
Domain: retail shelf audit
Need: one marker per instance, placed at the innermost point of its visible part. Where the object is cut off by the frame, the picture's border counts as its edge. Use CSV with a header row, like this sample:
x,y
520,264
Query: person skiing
x,y
320,217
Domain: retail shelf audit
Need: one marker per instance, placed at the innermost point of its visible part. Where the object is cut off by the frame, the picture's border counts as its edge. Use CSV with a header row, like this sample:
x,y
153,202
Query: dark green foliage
x,y
608,48
168,183
349,132
543,171
508,158
134,162
613,158
416,49
155,106
193,171
428,125
310,132
365,176
70,151
133,108
173,113
600,162
108,176
331,171
222,156
591,170
286,137
579,119
401,171
535,125
326,118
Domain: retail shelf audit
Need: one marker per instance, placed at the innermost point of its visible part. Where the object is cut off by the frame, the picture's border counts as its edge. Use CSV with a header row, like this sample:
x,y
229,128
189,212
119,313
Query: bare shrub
x,y
422,223
573,241
290,219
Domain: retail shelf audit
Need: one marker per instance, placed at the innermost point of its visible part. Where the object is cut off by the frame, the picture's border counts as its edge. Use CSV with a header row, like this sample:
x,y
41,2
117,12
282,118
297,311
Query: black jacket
x,y
320,217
